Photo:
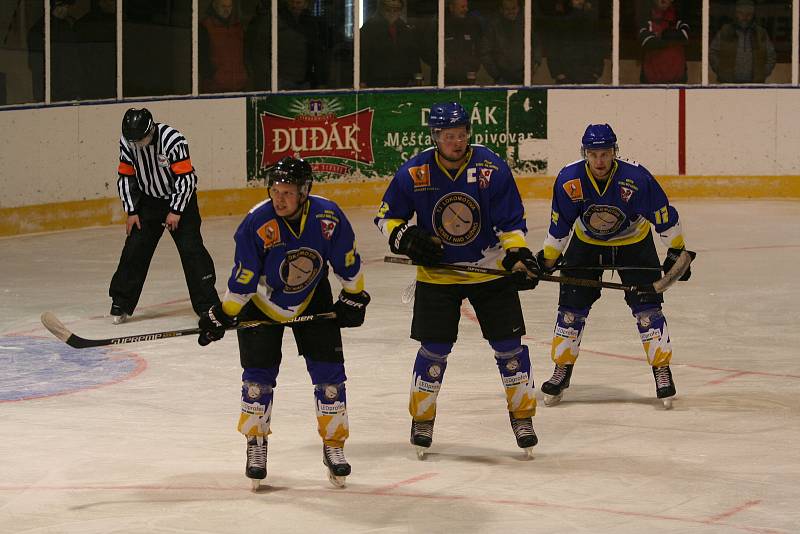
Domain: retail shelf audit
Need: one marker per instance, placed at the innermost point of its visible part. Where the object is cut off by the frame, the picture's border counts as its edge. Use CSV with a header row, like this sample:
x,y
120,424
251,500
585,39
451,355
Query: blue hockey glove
x,y
525,278
351,308
213,323
417,244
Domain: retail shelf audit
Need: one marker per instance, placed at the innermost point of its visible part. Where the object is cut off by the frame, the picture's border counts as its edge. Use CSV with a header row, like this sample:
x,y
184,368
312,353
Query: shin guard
x,y
257,391
427,379
655,336
514,364
567,335
332,424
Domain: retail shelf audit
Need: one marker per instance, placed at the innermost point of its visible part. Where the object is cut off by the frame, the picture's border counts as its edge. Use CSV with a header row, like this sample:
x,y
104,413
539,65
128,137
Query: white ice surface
x,y
157,449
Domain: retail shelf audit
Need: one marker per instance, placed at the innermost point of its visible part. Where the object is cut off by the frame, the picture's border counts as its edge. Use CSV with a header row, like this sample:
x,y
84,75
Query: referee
x,y
157,186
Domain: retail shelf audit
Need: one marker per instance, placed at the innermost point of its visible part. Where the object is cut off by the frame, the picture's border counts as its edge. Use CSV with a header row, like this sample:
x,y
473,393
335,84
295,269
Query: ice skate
x,y
421,436
256,468
665,387
338,468
554,388
117,315
523,431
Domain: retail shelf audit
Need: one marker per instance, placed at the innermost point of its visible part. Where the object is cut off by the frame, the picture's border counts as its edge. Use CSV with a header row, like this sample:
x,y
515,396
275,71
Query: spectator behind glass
x,y
66,72
221,50
258,47
742,52
503,45
663,36
575,46
97,36
302,55
390,53
462,36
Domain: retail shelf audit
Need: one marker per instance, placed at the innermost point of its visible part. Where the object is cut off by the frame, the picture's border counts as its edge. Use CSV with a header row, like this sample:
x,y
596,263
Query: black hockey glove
x,y
525,278
213,324
672,256
351,308
540,260
417,244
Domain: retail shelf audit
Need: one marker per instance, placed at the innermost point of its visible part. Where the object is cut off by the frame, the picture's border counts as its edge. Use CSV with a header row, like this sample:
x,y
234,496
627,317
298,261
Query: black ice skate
x,y
421,436
523,431
665,387
256,468
338,468
554,388
118,316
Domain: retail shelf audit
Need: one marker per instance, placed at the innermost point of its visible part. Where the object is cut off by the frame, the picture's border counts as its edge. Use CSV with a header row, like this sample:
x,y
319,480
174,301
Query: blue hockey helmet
x,y
598,136
448,115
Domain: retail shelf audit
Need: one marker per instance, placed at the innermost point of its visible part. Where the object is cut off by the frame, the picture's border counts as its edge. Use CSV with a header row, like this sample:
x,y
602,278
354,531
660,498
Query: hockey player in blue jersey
x,y
468,211
609,204
283,249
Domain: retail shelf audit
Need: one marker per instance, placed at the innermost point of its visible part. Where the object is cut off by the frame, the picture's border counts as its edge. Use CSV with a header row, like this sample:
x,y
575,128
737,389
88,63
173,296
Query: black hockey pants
x,y
198,267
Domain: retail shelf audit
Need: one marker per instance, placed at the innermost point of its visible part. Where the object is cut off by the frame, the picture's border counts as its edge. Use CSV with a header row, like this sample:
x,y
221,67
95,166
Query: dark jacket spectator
x,y
663,36
302,51
390,48
575,48
502,49
258,47
462,37
97,36
742,52
221,50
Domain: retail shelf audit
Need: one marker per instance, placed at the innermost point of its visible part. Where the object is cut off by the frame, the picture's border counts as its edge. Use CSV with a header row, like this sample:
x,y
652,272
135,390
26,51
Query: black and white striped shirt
x,y
161,169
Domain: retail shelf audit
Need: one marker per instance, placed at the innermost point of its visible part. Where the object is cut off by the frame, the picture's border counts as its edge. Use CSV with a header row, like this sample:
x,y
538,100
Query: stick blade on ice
x,y
56,327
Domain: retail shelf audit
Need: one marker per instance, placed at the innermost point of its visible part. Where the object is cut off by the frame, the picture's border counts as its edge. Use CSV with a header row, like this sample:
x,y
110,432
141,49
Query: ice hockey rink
x,y
142,437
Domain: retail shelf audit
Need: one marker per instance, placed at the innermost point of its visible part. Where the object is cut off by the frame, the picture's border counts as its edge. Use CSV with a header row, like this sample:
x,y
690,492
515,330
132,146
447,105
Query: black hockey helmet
x,y
291,170
137,124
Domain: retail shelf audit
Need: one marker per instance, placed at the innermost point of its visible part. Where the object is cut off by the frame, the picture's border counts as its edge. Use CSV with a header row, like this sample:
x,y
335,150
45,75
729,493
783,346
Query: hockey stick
x,y
57,328
545,277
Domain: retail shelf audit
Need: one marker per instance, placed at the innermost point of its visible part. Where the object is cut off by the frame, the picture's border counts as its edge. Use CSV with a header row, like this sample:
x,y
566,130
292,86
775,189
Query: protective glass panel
x,y
660,42
502,46
750,42
96,33
315,44
157,47
21,52
398,43
576,38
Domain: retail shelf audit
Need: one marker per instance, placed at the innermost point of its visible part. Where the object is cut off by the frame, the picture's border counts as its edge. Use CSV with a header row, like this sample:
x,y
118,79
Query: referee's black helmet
x,y
137,124
291,170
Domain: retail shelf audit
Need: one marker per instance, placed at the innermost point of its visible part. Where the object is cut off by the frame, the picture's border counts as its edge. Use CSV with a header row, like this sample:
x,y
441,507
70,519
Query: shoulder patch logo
x,y
484,177
269,233
625,193
327,226
573,189
420,175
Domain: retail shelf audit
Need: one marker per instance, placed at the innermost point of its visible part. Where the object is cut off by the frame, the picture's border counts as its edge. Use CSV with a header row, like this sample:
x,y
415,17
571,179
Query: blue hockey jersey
x,y
475,210
616,212
279,268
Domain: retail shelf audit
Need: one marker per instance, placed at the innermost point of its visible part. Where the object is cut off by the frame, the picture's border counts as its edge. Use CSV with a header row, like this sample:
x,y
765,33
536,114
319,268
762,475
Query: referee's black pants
x,y
198,267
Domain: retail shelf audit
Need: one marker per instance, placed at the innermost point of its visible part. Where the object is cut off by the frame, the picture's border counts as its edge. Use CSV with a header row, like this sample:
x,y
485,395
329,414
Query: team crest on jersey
x,y
327,226
421,175
457,219
574,189
603,220
299,269
269,233
163,161
625,193
484,177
